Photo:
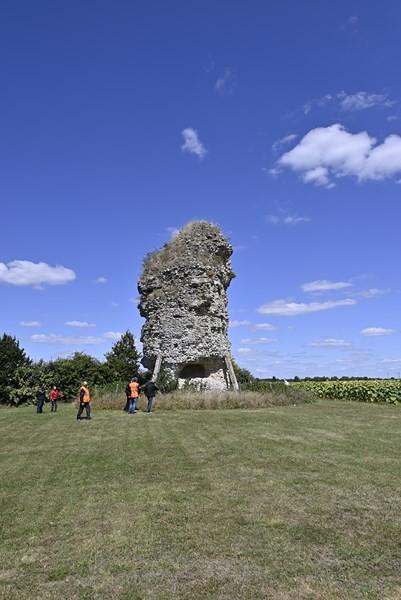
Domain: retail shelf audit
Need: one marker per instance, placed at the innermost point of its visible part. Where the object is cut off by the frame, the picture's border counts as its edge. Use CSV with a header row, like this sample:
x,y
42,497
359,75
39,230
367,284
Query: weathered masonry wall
x,y
184,302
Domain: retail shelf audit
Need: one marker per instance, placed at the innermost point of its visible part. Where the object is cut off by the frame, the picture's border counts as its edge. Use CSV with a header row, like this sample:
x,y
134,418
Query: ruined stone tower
x,y
183,299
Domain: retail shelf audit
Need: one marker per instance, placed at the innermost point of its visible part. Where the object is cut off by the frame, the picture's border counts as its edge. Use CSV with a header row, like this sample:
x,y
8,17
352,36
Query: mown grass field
x,y
285,502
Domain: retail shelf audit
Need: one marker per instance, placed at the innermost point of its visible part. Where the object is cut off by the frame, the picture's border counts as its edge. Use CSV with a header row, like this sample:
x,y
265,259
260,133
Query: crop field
x,y
287,502
379,390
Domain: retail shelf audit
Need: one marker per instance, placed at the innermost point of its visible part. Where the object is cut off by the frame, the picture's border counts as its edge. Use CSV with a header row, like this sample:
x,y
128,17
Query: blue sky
x,y
280,121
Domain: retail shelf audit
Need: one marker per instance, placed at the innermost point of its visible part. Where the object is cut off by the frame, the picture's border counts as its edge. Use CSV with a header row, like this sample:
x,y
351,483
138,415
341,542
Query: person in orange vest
x,y
54,396
84,401
133,396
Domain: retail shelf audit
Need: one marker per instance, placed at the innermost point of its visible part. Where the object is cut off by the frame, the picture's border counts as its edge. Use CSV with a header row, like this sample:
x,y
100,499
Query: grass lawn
x,y
289,502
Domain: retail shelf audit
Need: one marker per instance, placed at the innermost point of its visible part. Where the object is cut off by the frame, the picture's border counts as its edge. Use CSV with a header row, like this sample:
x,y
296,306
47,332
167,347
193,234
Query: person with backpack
x,y
150,389
54,397
84,401
133,395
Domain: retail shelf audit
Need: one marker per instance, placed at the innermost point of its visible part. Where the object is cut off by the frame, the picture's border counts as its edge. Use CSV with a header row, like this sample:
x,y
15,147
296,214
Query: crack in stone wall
x,y
183,298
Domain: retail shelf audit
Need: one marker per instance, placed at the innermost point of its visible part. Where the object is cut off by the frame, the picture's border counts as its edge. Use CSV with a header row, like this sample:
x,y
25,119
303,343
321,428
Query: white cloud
x,y
320,102
71,340
291,309
331,343
323,285
192,144
236,323
244,350
25,272
373,292
286,220
331,152
223,82
376,331
391,361
52,338
258,341
101,280
287,139
295,220
265,327
363,100
30,323
79,324
112,335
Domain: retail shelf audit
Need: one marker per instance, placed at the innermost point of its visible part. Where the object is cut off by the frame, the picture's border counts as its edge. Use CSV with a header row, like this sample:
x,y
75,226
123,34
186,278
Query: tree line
x,y
20,376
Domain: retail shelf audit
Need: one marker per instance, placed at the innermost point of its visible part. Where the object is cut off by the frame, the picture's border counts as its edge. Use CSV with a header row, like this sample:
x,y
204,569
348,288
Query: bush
x,y
183,399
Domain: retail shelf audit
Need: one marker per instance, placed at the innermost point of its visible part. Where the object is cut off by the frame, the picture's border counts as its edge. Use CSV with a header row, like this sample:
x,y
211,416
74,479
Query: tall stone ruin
x,y
184,302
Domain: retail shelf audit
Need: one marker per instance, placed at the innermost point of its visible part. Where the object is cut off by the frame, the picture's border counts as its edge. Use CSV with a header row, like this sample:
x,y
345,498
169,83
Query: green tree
x,y
243,375
11,358
122,362
69,373
28,378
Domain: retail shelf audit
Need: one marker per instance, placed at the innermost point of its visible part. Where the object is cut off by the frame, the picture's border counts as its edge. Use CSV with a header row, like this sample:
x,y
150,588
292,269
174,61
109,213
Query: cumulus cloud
x,y
192,143
236,323
331,343
286,220
79,324
327,153
30,323
223,83
323,285
292,309
377,331
25,272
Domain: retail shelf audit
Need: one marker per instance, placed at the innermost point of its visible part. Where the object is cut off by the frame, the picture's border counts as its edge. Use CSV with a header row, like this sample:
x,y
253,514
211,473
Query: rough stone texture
x,y
183,299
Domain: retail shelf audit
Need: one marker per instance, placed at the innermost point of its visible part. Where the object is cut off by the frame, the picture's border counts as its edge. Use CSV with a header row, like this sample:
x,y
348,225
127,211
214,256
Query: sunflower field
x,y
373,390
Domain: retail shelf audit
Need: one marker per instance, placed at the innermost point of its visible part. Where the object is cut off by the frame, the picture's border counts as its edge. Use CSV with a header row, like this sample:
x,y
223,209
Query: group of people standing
x,y
54,397
132,392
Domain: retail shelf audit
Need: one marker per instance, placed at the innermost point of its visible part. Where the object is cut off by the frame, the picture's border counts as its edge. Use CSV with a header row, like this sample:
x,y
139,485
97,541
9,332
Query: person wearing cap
x,y
84,401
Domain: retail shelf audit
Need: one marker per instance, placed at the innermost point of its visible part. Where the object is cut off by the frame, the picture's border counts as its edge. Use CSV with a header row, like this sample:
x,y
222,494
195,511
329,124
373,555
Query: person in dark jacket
x,y
128,398
41,399
149,389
